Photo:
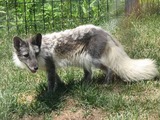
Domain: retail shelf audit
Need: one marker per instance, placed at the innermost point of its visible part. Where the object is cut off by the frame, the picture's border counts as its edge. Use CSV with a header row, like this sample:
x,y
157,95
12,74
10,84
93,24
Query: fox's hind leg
x,y
107,71
108,76
87,75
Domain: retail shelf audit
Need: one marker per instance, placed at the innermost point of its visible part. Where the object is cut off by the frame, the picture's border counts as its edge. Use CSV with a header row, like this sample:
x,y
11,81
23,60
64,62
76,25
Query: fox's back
x,y
72,40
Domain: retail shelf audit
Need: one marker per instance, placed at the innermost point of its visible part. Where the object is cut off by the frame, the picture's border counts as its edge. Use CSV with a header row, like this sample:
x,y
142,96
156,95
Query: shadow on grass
x,y
56,99
45,102
52,101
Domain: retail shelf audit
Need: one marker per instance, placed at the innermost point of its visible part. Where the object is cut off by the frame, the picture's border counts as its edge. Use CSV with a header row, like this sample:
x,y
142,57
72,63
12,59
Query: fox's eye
x,y
26,55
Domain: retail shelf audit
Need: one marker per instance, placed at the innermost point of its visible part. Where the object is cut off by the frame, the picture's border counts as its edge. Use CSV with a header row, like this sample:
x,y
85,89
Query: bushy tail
x,y
128,69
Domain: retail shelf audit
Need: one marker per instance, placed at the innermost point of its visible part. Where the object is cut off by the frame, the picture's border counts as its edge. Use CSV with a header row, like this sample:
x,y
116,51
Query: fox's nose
x,y
36,68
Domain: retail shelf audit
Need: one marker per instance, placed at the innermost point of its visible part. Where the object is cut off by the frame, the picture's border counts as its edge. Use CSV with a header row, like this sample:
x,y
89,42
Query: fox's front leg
x,y
52,80
51,75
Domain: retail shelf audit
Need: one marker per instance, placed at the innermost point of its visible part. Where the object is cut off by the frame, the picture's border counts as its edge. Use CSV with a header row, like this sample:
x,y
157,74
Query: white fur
x,y
17,61
82,60
127,68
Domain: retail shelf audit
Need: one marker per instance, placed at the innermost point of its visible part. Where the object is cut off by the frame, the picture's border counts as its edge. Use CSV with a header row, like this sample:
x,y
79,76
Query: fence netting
x,y
29,16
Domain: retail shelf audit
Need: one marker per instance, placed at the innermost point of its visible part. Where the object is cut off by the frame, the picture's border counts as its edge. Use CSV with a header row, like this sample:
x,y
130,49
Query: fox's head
x,y
26,52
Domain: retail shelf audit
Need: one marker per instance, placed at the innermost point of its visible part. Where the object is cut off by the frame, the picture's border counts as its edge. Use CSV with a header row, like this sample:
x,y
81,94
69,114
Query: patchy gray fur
x,y
89,39
70,47
86,46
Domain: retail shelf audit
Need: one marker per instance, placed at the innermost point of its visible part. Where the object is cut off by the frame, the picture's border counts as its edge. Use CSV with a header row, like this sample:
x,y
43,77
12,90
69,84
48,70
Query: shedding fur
x,y
88,47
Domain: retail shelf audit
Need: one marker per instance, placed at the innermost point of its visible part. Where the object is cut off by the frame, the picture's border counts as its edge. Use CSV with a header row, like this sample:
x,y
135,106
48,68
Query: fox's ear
x,y
17,42
37,39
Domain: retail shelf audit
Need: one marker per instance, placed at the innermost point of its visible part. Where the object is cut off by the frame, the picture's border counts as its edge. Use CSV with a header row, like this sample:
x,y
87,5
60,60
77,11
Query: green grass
x,y
23,94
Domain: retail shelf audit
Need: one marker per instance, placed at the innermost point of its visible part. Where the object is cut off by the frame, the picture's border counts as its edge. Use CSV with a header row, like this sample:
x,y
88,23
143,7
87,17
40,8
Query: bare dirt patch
x,y
33,118
74,112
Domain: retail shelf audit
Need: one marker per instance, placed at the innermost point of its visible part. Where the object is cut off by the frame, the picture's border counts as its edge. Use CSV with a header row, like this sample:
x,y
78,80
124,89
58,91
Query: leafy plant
x,y
30,16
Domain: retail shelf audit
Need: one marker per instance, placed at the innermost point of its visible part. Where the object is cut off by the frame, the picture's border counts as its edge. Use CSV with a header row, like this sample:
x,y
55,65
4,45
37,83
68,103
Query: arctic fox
x,y
86,46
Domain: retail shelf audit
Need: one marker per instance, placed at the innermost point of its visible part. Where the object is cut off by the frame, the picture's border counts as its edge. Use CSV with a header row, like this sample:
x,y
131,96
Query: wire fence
x,y
30,16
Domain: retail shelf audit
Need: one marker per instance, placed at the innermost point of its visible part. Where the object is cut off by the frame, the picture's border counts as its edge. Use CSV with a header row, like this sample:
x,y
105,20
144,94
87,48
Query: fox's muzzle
x,y
33,66
34,69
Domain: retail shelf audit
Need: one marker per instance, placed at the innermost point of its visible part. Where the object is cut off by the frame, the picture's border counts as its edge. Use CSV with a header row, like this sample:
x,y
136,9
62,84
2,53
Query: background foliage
x,y
29,16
